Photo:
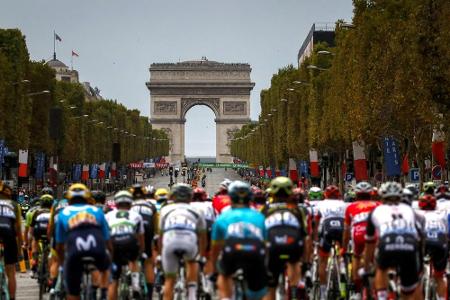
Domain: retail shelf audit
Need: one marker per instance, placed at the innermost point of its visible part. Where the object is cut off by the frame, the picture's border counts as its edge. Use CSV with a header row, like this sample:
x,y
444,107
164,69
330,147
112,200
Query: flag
x,y
261,171
23,163
405,164
40,165
293,173
2,152
113,170
74,54
85,172
359,157
76,172
57,37
101,172
391,158
314,163
437,147
94,171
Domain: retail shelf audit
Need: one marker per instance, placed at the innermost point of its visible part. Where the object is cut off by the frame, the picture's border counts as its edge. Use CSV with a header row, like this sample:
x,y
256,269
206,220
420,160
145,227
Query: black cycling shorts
x,y
124,252
248,255
403,254
82,243
10,250
332,230
285,245
439,255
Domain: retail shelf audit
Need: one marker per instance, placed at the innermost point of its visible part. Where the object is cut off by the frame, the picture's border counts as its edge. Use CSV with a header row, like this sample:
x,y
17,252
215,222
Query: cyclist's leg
x,y
409,267
148,264
10,259
225,286
170,266
191,278
10,270
439,257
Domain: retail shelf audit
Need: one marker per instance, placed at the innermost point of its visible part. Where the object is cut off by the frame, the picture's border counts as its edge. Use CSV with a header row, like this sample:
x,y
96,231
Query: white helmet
x,y
390,189
123,197
224,184
363,187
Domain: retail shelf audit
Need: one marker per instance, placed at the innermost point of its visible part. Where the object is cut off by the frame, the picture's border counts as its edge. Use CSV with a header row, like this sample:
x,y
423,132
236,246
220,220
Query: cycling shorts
x,y
439,256
123,253
249,256
285,245
401,252
83,242
177,244
358,239
331,231
10,250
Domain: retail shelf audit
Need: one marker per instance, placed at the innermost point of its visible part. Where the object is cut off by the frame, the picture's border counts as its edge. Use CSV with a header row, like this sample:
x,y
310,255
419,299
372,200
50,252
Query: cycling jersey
x,y
29,215
179,225
398,229
9,212
40,223
356,216
330,216
221,203
443,204
149,216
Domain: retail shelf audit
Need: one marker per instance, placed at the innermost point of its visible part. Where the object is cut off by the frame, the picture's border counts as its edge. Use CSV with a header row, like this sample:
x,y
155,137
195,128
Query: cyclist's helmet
x,y
427,202
99,197
407,196
151,191
181,192
123,197
350,196
413,189
259,196
47,191
281,187
390,191
298,195
5,190
429,187
363,190
332,192
199,194
442,192
161,195
46,201
79,193
138,191
240,192
35,201
223,187
315,193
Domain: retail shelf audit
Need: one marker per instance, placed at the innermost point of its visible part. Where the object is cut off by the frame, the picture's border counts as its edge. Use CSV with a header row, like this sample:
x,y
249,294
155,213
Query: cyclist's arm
x,y
19,226
369,248
217,240
346,235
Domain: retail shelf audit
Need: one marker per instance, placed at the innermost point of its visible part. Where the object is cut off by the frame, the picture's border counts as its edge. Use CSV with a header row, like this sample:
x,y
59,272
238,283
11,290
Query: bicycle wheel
x,y
333,291
42,277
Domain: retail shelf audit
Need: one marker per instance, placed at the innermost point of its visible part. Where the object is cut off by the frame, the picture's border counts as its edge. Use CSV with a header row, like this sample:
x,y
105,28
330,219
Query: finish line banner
x,y
223,165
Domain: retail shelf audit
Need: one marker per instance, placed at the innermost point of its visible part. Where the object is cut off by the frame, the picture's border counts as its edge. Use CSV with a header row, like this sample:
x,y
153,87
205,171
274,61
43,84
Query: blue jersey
x,y
77,215
242,223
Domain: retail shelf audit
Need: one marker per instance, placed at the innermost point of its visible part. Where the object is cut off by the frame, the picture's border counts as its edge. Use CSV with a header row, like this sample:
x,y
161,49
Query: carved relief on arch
x,y
169,134
230,134
187,103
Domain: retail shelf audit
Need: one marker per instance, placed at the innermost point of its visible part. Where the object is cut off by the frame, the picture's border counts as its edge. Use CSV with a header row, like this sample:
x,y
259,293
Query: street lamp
x,y
283,100
347,25
325,52
313,67
72,107
38,93
290,89
273,110
22,81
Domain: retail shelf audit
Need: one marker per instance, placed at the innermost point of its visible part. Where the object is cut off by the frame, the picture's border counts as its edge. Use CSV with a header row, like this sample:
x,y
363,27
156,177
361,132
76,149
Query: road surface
x,y
27,288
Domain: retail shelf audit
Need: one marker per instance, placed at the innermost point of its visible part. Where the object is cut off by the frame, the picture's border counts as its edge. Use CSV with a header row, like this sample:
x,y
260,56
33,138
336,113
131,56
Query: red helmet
x,y
298,194
199,194
332,192
259,196
442,192
427,202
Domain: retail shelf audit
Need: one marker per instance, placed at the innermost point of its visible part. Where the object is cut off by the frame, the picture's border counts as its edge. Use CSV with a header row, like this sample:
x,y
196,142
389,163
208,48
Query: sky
x,y
118,40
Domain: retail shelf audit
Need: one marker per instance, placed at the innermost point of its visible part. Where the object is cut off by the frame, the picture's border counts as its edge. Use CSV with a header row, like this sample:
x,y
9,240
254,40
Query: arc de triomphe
x,y
177,87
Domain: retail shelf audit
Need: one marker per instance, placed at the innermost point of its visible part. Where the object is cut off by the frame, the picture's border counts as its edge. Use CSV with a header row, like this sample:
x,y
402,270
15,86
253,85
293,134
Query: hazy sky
x,y
118,40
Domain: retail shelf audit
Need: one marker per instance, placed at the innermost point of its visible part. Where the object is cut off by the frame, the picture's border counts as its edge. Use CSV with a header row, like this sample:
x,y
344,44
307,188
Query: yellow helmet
x,y
46,200
79,191
5,190
161,194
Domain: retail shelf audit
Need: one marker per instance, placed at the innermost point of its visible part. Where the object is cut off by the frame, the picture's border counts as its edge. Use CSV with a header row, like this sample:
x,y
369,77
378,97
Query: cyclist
x,y
355,225
10,235
394,230
238,237
148,213
221,200
428,188
81,231
182,235
127,237
100,200
259,198
287,233
35,204
436,240
330,220
442,194
161,197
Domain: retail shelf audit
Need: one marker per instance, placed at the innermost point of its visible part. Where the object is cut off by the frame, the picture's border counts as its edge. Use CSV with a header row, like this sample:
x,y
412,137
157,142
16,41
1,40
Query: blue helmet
x,y
240,192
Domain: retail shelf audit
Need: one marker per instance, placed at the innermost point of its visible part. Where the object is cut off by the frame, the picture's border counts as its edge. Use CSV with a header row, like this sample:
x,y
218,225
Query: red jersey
x,y
220,202
356,216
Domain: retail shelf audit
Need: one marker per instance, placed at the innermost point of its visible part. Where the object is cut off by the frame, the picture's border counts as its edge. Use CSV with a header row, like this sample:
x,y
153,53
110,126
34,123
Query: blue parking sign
x,y
348,177
414,175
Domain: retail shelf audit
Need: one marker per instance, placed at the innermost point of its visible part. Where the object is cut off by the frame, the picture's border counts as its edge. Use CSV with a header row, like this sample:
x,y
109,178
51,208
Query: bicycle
x,y
58,292
333,276
86,281
180,285
429,284
43,272
4,291
240,286
203,291
314,292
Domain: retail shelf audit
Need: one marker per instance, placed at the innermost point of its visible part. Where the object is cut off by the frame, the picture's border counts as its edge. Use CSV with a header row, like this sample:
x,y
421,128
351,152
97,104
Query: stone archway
x,y
177,87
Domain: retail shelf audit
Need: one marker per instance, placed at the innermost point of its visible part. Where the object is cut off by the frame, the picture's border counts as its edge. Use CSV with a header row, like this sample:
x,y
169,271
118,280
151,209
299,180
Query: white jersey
x,y
330,208
124,222
181,217
435,223
395,219
443,205
206,208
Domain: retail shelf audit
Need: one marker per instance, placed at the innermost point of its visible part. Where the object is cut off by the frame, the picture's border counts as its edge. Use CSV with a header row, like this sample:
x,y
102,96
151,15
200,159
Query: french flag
x,y
314,163
85,173
359,158
437,147
113,170
23,163
293,174
261,171
101,172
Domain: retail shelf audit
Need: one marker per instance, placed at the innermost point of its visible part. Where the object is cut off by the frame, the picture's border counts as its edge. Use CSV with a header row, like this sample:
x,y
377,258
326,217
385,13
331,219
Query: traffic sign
x,y
414,175
379,177
436,172
348,176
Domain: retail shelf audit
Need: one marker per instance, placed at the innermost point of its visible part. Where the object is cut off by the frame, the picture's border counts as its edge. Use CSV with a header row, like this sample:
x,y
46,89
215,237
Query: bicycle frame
x,y
333,284
180,284
43,273
429,284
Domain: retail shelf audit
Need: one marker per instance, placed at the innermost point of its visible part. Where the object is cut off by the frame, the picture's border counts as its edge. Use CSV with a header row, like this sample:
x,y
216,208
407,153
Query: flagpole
x,y
71,60
54,45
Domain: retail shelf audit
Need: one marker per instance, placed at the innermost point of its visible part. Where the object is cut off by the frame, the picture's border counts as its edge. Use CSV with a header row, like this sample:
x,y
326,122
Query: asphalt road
x,y
27,288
